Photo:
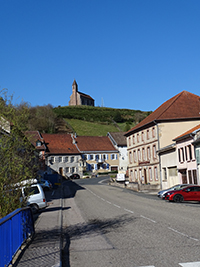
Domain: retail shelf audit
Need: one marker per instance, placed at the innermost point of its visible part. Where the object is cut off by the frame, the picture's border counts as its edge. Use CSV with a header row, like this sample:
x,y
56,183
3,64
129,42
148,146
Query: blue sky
x,y
132,54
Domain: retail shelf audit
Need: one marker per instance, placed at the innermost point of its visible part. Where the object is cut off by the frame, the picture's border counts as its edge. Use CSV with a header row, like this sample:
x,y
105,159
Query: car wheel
x,y
178,198
34,208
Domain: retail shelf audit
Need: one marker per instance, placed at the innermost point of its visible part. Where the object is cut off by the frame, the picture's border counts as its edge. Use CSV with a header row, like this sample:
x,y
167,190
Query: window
x,y
129,141
139,155
142,136
131,176
73,169
190,176
154,151
66,159
156,173
190,152
97,157
140,174
153,132
130,157
134,156
186,156
67,169
147,134
138,138
113,156
135,174
38,143
194,172
143,154
52,159
105,157
172,171
182,154
165,173
150,174
133,138
72,159
59,159
148,153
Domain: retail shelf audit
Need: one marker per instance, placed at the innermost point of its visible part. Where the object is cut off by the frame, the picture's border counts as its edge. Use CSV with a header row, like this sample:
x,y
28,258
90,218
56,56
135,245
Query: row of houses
x,y
67,154
164,148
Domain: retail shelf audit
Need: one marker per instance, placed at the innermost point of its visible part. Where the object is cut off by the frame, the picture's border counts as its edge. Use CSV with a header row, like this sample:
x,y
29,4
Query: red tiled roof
x,y
34,136
94,143
185,105
188,132
60,144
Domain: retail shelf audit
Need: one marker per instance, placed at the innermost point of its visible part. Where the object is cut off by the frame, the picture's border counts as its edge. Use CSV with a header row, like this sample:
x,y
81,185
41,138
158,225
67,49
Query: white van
x,y
36,197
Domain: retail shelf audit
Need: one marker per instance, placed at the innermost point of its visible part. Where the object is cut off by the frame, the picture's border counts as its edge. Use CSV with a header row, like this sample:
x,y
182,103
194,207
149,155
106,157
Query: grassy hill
x,y
86,120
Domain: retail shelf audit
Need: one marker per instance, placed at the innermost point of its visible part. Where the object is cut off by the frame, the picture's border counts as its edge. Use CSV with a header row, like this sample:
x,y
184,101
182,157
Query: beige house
x,y
77,98
98,153
157,131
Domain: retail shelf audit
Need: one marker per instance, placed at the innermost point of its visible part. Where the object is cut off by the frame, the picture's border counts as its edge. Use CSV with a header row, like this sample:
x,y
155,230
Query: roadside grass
x,y
91,128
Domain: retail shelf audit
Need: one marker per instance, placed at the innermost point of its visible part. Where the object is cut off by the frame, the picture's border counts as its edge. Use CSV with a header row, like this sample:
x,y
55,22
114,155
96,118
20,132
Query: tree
x,y
42,118
17,154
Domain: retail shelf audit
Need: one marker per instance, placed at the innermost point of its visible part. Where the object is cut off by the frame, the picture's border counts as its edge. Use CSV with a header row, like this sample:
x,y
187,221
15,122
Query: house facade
x,y
62,156
186,158
98,153
157,131
77,98
168,165
119,141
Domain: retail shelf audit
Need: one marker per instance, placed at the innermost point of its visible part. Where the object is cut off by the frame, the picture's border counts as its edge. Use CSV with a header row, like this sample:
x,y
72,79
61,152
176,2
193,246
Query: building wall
x,y
186,162
142,157
169,172
65,165
101,162
170,130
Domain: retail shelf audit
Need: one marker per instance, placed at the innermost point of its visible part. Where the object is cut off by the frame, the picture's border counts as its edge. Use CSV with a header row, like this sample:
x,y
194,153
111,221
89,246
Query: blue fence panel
x,y
15,229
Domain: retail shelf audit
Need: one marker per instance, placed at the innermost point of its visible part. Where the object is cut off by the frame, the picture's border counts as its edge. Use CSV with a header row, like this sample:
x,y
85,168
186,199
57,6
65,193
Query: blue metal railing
x,y
15,229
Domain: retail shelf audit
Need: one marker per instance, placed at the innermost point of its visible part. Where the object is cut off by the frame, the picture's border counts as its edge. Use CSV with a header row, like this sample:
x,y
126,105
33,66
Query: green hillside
x,y
87,120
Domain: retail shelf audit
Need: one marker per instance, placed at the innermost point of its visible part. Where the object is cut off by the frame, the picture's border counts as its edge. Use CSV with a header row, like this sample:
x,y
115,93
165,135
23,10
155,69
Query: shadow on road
x,y
93,227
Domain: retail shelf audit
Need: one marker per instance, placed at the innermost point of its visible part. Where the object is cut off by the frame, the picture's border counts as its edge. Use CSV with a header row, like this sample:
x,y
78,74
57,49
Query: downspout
x,y
159,154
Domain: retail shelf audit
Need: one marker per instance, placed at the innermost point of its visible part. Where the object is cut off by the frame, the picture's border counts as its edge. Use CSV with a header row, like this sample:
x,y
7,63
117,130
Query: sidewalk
x,y
45,248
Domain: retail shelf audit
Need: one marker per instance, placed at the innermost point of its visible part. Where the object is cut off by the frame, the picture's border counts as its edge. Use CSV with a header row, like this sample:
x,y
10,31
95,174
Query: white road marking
x,y
180,233
53,192
147,219
129,210
117,206
190,264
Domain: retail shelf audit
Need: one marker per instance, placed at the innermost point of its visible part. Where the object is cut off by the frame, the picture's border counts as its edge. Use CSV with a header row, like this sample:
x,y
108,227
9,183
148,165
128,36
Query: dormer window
x,y
38,143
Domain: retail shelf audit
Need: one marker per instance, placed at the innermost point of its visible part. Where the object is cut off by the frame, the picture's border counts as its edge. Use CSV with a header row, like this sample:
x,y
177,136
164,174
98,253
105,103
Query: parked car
x,y
75,176
46,185
189,193
175,187
33,193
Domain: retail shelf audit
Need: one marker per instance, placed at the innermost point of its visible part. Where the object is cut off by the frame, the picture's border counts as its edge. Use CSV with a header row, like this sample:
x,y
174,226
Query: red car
x,y
189,193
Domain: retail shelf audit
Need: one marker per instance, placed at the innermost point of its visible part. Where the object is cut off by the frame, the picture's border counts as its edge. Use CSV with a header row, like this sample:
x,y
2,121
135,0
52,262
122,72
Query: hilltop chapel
x,y
77,98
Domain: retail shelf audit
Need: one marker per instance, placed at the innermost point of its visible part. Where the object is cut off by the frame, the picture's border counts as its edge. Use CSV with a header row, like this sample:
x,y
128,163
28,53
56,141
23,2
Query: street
x,y
104,225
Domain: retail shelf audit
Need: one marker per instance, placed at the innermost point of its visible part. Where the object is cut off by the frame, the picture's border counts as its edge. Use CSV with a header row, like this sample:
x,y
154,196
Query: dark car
x,y
75,176
189,193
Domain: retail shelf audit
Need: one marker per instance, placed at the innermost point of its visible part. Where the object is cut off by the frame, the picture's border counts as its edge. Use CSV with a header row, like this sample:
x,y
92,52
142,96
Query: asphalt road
x,y
111,226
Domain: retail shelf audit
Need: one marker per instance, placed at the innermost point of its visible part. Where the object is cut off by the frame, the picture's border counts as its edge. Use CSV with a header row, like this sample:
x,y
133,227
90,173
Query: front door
x,y
184,176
